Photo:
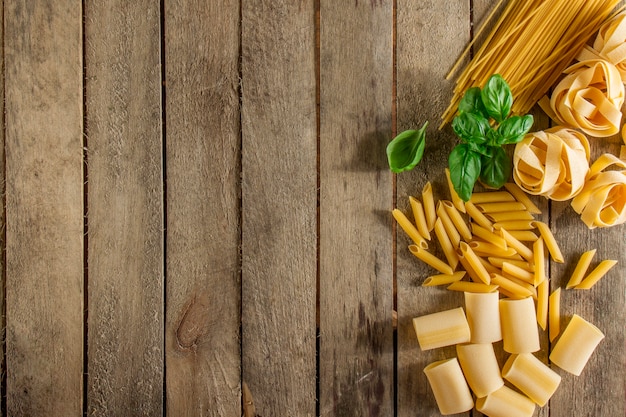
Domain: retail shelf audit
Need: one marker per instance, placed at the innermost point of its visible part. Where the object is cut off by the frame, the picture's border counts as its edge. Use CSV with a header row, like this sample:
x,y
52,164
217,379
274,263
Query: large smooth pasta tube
x,y
519,325
483,317
532,377
506,402
440,329
480,367
576,345
449,387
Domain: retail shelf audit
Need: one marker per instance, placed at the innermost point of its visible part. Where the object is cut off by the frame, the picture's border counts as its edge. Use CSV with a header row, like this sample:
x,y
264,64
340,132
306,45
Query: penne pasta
x,y
507,216
517,272
456,200
491,197
487,208
468,286
514,225
409,228
550,241
554,314
539,267
449,387
497,262
522,197
581,268
443,279
522,249
466,252
453,234
488,249
543,290
488,236
447,247
595,275
428,201
430,259
419,217
524,235
576,345
518,291
457,220
478,216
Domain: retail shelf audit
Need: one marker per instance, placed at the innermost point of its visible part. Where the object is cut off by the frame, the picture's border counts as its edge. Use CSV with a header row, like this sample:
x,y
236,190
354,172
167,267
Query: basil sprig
x,y
483,126
405,151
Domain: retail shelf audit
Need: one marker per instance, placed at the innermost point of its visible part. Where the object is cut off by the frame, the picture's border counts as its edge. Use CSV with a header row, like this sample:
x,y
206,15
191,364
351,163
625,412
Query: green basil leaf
x,y
481,148
405,151
464,167
473,103
497,98
513,129
497,169
471,127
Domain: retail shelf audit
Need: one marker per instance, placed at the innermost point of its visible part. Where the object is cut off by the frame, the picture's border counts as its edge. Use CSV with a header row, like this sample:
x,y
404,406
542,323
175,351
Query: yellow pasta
x,y
539,266
554,314
409,228
531,376
581,268
453,234
514,225
457,220
521,196
497,262
478,216
595,275
491,197
609,44
500,207
430,259
519,325
443,279
576,345
524,235
456,200
506,402
506,216
517,272
480,367
543,292
428,201
483,317
550,242
468,286
446,245
449,387
522,249
516,290
488,236
466,252
488,249
419,217
440,329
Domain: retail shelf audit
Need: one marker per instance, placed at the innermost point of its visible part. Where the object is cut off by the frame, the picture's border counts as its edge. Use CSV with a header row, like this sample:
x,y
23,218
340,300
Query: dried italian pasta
x,y
552,163
610,44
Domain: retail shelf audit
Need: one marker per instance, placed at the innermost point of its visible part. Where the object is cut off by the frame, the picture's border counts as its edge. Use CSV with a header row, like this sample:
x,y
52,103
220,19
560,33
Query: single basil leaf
x,y
497,98
497,169
481,148
473,103
464,167
513,129
471,127
493,137
405,151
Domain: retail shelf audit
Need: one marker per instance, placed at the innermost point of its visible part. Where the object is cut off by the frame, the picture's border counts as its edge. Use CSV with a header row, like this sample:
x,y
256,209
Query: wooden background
x,y
198,205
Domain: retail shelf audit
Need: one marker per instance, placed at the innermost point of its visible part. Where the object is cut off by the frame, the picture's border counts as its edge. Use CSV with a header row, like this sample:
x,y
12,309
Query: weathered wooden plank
x,y
356,196
2,225
202,146
430,37
279,206
44,207
125,208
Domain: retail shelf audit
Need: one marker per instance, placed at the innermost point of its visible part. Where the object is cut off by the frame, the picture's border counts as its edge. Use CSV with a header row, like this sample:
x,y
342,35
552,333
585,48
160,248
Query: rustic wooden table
x,y
198,200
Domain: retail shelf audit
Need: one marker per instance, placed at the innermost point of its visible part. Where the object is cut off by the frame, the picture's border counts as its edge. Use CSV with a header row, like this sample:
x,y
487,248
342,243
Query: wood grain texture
x,y
44,208
202,228
2,224
356,271
125,208
279,206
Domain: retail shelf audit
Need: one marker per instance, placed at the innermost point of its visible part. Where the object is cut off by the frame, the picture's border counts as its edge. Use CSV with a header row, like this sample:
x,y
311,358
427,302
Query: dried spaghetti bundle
x,y
530,45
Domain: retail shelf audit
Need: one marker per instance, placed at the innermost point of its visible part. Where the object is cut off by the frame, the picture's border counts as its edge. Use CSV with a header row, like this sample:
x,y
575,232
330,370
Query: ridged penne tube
x,y
453,234
480,367
595,275
550,241
491,197
531,376
443,328
449,386
488,236
500,206
443,279
466,252
521,196
446,245
517,272
468,286
483,317
539,261
456,200
478,216
514,225
524,235
506,402
512,287
518,246
519,325
430,259
554,314
497,262
487,249
490,268
429,205
507,216
409,228
581,268
457,220
576,345
543,292
419,217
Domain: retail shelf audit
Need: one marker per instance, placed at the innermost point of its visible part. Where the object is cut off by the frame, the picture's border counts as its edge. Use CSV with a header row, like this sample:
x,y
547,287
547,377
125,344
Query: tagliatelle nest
x,y
590,98
602,201
552,163
610,44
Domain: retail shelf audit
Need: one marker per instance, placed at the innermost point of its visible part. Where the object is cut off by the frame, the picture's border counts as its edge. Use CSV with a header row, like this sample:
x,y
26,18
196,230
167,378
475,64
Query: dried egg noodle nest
x,y
552,163
610,44
602,201
590,98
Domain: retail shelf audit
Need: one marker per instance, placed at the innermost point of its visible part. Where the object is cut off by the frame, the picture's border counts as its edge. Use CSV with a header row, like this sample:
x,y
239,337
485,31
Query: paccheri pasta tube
x,y
440,329
449,386
576,345
480,367
519,325
505,402
531,376
483,317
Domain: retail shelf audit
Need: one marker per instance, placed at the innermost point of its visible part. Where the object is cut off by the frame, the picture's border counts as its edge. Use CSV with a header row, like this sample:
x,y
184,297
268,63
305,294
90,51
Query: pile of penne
x,y
498,260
